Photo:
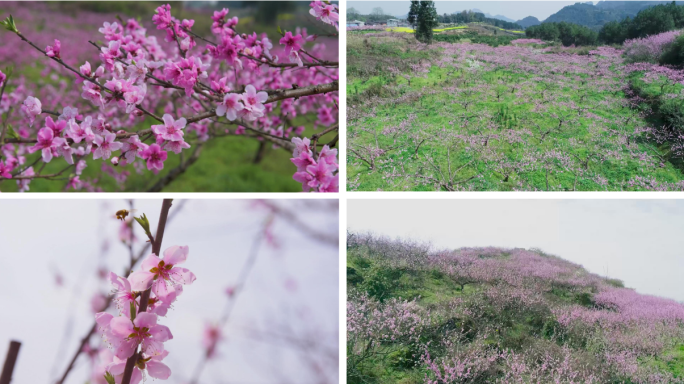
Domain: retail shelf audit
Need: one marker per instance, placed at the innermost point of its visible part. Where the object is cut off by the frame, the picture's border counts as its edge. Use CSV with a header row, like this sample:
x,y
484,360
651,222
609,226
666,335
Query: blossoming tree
x,y
146,99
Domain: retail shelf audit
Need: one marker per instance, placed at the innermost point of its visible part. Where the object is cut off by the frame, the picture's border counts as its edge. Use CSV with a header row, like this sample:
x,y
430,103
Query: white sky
x,y
37,236
515,10
638,241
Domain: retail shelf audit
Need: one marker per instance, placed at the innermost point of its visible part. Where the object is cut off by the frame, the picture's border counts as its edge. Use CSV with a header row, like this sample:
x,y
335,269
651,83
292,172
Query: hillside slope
x,y
489,315
595,16
528,21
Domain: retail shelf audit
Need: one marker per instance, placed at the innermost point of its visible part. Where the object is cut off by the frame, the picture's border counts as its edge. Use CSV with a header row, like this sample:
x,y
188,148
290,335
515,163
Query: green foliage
x,y
109,378
413,13
566,33
144,223
614,32
426,21
405,357
476,17
674,55
476,38
595,16
353,277
649,21
9,25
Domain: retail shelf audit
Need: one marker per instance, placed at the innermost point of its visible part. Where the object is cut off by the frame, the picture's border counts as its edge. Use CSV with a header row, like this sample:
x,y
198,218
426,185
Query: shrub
x,y
649,49
674,53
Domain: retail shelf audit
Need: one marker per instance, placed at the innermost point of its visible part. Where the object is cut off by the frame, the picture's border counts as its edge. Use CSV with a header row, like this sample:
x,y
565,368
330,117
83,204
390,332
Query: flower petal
x,y
126,349
103,319
182,275
161,333
146,320
176,254
150,262
121,326
158,370
141,280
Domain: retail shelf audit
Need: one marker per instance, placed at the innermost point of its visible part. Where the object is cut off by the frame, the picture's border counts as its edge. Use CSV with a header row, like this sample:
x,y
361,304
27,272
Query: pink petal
x,y
103,319
163,291
116,368
119,283
182,275
158,370
150,262
136,378
141,280
161,333
145,320
121,326
176,254
126,349
152,346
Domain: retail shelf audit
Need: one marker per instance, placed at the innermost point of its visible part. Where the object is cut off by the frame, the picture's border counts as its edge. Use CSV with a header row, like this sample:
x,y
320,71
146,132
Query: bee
x,y
122,213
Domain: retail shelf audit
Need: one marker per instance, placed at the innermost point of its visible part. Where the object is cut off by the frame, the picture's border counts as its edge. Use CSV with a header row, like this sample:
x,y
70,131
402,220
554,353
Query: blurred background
x,y
235,163
637,241
282,322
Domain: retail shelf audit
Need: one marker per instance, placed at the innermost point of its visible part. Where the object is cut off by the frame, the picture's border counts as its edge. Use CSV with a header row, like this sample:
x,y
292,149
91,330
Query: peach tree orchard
x,y
147,98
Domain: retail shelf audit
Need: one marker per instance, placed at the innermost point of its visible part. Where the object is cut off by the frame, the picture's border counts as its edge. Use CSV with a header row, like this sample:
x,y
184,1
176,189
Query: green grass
x,y
434,109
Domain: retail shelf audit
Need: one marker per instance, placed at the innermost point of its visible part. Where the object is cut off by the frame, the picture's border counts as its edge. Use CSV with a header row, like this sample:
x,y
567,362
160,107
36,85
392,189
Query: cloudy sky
x,y
292,290
515,10
638,241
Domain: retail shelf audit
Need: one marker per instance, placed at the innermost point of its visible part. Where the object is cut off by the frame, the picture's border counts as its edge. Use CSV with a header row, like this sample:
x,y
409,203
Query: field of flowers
x,y
212,149
527,116
490,315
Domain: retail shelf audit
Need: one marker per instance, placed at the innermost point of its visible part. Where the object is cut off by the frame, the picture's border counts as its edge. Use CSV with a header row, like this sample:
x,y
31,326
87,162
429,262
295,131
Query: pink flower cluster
x,y
527,41
649,49
130,330
326,12
248,105
137,76
169,137
175,29
317,174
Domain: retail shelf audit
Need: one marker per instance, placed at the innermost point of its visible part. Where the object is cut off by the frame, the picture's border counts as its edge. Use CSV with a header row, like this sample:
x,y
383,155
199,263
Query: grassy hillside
x,y
488,315
476,113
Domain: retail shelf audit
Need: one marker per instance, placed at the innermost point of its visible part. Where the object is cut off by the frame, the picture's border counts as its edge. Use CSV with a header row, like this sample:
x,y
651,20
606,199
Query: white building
x,y
355,23
393,22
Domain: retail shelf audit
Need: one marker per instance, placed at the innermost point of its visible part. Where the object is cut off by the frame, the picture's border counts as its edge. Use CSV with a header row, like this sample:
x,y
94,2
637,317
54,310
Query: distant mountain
x,y
499,17
402,17
528,21
594,16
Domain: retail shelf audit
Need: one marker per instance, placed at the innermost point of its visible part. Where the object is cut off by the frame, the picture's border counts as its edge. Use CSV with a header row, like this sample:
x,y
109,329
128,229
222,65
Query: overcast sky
x,y
294,285
515,10
638,241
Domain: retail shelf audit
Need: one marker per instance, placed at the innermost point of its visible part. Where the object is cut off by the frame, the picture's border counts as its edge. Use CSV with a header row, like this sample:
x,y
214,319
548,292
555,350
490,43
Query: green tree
x,y
426,21
352,14
413,13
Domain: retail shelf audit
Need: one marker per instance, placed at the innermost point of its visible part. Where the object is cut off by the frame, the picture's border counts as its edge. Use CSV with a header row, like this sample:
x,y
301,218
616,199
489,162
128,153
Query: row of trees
x,y
567,33
376,15
476,17
650,21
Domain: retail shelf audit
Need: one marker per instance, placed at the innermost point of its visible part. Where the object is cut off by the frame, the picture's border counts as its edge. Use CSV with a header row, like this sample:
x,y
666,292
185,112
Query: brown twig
x,y
10,361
